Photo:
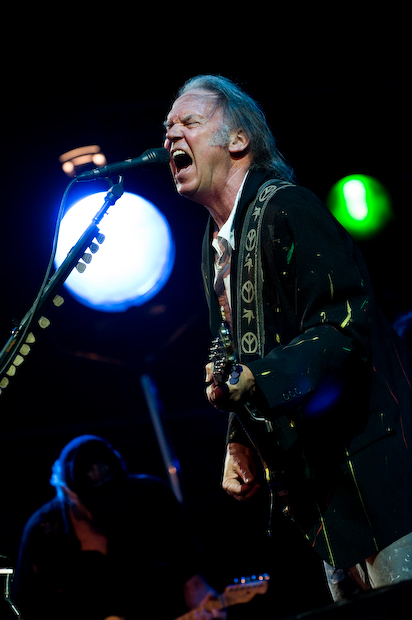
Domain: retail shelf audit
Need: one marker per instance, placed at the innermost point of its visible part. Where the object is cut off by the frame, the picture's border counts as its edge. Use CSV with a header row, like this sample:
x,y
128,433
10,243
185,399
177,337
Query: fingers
x,y
240,491
231,394
217,395
240,460
239,476
209,372
209,614
239,485
209,609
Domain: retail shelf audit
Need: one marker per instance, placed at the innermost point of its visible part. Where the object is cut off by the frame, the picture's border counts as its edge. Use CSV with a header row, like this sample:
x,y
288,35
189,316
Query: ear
x,y
238,143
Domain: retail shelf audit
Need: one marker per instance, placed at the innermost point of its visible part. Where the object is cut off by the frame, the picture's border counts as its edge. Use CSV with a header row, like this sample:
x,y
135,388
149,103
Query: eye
x,y
192,123
167,126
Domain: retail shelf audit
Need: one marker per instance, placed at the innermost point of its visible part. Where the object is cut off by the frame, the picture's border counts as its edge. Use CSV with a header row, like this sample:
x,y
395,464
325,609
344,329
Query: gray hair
x,y
241,111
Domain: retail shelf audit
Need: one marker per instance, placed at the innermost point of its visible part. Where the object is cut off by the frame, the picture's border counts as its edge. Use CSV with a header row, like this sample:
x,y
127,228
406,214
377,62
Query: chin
x,y
186,191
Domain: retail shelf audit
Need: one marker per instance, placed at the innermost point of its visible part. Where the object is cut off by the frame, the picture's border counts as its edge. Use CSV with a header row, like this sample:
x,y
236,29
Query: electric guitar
x,y
241,592
225,365
222,354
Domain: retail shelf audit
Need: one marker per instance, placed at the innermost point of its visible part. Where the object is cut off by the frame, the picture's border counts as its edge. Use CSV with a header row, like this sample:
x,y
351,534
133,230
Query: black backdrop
x,y
333,115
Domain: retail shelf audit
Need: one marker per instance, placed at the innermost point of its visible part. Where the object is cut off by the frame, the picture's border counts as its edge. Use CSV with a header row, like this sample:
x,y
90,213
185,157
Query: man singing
x,y
320,396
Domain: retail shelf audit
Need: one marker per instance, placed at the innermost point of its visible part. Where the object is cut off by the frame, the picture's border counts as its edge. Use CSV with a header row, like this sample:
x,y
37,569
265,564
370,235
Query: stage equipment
x,y
361,204
133,264
154,406
150,157
18,345
75,160
7,573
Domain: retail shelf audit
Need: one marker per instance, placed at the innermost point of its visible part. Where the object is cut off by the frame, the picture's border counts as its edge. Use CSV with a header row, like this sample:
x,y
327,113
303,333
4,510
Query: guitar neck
x,y
218,603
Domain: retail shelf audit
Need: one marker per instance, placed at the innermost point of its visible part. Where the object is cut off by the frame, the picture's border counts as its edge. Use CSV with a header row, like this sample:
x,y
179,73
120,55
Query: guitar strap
x,y
250,327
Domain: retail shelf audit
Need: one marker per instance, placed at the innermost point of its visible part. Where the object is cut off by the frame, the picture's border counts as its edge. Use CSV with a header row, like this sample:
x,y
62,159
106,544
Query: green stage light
x,y
361,204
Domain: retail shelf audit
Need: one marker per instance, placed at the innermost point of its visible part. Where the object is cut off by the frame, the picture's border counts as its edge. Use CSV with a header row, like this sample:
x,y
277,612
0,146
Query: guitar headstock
x,y
245,588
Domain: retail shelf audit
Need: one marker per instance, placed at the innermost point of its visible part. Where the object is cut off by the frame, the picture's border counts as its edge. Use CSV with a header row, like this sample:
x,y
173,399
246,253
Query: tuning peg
x,y
81,267
240,580
58,301
18,360
87,258
93,248
30,338
44,322
100,238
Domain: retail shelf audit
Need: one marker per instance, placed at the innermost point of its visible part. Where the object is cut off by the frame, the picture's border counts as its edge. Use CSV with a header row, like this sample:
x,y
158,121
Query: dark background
x,y
337,103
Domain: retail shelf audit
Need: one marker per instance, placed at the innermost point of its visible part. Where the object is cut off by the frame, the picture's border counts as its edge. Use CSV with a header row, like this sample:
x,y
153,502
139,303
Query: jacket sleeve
x,y
318,297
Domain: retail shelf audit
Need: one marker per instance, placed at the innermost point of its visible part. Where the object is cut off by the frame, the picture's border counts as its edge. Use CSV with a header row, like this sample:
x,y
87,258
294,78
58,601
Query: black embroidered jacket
x,y
333,378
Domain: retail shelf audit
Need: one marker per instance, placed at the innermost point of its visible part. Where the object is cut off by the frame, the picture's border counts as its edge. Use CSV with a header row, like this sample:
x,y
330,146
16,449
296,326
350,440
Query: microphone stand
x,y
8,574
13,345
172,465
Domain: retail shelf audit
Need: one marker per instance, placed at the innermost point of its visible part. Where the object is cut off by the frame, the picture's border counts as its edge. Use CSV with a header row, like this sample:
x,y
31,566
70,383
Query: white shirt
x,y
226,236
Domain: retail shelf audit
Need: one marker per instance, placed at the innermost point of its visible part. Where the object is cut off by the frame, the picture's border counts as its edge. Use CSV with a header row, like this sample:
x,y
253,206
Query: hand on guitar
x,y
231,394
239,475
208,611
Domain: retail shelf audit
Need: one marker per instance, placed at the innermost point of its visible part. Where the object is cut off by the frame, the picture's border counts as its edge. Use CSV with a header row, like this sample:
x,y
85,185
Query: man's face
x,y
199,167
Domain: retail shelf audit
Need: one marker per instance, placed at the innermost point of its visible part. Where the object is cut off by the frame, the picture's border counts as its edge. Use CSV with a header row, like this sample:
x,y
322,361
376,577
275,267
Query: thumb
x,y
246,474
209,372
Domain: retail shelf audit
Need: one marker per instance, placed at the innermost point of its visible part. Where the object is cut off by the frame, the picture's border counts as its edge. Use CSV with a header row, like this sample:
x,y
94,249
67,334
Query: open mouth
x,y
181,160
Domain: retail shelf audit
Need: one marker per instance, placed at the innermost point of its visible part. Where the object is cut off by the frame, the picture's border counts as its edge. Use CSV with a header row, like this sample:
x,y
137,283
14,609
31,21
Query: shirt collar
x,y
227,231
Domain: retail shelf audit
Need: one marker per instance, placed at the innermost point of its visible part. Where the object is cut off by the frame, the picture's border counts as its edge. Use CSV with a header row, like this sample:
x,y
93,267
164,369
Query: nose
x,y
173,134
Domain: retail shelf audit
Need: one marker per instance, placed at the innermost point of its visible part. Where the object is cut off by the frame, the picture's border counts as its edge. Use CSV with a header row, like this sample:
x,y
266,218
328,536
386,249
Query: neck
x,y
222,202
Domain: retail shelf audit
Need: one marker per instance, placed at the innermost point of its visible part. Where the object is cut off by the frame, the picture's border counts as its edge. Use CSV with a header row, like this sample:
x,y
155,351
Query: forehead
x,y
196,101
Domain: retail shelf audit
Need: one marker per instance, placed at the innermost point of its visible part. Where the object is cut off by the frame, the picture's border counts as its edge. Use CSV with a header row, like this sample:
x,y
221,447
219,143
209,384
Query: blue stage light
x,y
132,264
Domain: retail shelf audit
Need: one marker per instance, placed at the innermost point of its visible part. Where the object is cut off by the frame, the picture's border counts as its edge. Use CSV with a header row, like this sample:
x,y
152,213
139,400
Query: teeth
x,y
178,152
181,159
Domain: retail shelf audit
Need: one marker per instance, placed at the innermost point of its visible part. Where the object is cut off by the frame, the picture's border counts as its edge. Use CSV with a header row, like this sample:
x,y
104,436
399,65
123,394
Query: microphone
x,y
149,157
